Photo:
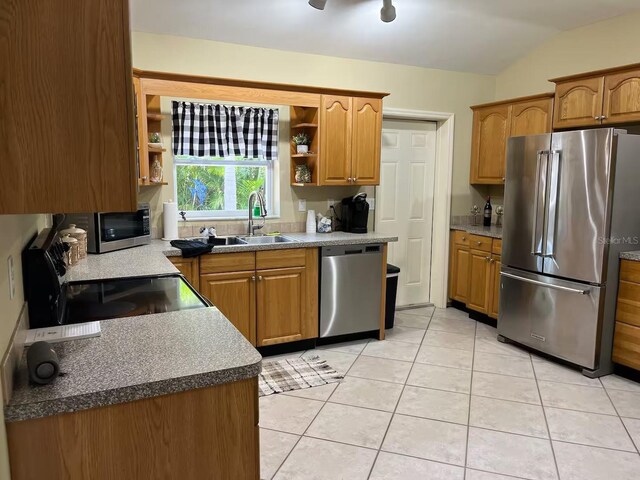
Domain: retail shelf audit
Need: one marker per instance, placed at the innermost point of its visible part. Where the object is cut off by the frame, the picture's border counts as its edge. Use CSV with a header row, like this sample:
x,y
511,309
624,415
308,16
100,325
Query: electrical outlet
x,y
372,203
302,205
12,278
330,203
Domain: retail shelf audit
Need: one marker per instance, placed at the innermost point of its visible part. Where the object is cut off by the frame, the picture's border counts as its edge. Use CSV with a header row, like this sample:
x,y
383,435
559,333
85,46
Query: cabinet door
x,y
234,295
621,98
460,273
335,135
281,305
67,107
531,117
578,103
489,144
494,301
479,281
366,141
189,267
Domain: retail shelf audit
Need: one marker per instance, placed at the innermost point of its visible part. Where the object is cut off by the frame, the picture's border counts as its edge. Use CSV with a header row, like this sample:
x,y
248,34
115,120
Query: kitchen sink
x,y
265,239
220,241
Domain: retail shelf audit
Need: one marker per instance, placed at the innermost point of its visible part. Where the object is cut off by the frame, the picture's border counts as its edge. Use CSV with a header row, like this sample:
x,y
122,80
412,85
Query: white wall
x,y
15,232
410,87
605,44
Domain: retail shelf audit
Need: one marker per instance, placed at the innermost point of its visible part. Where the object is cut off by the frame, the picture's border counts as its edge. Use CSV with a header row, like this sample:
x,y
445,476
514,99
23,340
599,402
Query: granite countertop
x,y
493,231
135,358
151,259
635,256
150,355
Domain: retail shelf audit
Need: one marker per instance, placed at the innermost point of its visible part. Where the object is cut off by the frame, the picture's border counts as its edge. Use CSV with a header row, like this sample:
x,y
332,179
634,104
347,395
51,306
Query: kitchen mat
x,y
294,374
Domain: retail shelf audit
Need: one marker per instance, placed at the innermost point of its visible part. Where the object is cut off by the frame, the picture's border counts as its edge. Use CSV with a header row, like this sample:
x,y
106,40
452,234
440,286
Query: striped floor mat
x,y
294,374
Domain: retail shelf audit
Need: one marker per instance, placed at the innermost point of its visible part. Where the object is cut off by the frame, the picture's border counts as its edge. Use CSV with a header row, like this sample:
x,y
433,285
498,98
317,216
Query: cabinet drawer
x,y
630,271
281,258
227,262
461,238
626,345
478,242
628,303
496,246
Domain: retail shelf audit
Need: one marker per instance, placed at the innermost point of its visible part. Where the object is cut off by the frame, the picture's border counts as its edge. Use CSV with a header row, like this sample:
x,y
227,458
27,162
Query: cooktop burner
x,y
127,297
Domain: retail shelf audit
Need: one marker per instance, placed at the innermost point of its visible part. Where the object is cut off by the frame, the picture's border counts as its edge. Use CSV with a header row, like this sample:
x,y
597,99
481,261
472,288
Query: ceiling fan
x,y
387,13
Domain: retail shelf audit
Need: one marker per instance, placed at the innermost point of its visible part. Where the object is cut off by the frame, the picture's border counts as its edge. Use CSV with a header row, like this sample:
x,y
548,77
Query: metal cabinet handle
x,y
464,239
259,278
349,179
253,279
603,117
504,179
478,243
596,117
543,284
488,259
355,179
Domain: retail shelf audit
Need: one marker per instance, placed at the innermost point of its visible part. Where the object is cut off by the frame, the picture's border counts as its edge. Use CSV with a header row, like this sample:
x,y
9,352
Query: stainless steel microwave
x,y
111,231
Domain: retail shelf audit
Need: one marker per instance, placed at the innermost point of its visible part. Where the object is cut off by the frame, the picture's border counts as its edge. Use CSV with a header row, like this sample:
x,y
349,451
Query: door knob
x,y
259,278
355,179
603,117
478,243
253,279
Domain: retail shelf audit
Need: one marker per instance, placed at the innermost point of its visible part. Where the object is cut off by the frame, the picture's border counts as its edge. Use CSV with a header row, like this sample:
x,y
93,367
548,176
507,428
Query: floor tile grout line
x,y
620,418
404,386
546,421
466,447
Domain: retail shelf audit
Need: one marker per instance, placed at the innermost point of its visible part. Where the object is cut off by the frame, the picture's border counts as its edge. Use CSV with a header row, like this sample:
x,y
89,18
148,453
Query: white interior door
x,y
404,203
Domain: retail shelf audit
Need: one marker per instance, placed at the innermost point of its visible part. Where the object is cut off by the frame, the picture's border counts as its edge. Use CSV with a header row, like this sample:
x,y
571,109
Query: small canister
x,y
72,253
80,235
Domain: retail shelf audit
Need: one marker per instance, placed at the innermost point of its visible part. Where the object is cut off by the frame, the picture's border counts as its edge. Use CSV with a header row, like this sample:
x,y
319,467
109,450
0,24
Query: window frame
x,y
271,172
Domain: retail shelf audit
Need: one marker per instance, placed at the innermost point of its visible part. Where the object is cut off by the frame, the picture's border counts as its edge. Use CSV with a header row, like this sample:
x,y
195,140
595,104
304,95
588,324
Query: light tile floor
x,y
442,399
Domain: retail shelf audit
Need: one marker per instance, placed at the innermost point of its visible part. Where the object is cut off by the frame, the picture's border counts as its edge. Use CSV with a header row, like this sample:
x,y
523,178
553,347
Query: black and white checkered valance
x,y
205,130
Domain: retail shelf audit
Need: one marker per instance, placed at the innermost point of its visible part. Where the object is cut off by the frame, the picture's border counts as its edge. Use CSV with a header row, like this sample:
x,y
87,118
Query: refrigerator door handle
x,y
552,203
537,236
547,285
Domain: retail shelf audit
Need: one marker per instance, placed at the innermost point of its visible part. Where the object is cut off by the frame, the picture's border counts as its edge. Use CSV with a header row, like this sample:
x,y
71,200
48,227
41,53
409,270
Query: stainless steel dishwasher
x,y
350,289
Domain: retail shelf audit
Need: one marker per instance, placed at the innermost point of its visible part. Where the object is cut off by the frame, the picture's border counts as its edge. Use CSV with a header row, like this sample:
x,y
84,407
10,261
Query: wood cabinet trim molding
x,y
253,85
596,73
540,96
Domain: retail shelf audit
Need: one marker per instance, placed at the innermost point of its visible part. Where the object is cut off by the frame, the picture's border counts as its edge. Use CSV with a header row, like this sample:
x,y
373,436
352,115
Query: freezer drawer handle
x,y
548,285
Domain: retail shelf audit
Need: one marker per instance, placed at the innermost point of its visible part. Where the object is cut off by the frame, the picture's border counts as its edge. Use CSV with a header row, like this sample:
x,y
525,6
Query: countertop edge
x,y
87,401
492,231
632,256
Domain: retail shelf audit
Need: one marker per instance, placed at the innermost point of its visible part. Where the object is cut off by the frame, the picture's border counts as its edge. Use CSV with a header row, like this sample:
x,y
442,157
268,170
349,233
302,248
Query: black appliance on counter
x,y
52,301
355,213
111,231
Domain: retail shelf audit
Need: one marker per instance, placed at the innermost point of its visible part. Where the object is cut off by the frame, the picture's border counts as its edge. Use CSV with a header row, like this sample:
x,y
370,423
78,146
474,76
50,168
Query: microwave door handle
x,y
552,204
537,235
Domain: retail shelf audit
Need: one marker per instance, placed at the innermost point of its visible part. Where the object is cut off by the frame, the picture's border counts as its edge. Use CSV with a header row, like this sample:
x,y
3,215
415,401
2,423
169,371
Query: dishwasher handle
x,y
342,250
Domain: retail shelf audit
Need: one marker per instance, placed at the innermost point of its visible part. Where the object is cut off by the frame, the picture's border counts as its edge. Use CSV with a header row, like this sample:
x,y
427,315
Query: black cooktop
x,y
128,297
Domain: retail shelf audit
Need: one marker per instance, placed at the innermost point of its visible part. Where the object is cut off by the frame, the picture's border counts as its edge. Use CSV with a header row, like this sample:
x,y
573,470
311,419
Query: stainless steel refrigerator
x,y
572,204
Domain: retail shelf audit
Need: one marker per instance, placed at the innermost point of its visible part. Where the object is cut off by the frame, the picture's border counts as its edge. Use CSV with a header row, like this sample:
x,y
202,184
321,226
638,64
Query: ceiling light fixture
x,y
319,4
388,11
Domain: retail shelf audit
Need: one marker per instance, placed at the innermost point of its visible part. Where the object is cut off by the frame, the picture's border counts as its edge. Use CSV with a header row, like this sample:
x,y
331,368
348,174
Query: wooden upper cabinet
x,y
335,131
531,117
67,114
578,103
489,142
366,143
621,102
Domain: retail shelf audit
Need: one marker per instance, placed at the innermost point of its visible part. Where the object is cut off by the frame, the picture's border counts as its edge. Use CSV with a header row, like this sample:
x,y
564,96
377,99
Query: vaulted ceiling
x,y
482,36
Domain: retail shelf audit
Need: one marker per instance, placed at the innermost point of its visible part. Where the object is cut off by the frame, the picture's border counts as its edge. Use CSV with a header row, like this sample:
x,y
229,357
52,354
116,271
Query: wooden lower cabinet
x,y
190,268
479,281
234,294
474,275
494,300
209,432
281,297
273,299
626,339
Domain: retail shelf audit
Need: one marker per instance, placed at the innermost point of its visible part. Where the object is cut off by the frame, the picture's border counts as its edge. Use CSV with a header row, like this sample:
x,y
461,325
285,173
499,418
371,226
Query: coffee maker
x,y
355,213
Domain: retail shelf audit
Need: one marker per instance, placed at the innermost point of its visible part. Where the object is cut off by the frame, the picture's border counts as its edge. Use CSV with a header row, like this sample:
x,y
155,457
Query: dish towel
x,y
191,248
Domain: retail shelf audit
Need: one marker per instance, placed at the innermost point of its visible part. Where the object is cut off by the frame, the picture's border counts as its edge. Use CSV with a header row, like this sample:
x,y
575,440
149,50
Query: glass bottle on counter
x,y
487,213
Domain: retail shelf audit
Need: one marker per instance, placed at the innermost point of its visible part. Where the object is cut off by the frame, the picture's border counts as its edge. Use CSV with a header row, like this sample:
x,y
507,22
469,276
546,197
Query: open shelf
x,y
305,125
310,184
156,117
156,150
147,183
303,155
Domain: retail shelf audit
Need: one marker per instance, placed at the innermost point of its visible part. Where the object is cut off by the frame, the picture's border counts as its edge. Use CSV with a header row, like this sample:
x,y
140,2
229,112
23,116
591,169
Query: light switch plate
x,y
12,278
372,203
302,205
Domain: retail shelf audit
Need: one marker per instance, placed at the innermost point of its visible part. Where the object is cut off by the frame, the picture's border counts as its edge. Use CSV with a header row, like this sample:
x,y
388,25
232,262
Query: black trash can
x,y
392,291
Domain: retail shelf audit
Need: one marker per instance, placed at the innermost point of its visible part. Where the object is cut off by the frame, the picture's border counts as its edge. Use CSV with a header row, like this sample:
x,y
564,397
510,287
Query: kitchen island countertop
x,y
634,256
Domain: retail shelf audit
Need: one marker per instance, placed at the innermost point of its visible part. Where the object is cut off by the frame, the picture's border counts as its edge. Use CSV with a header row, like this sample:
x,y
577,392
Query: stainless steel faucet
x,y
253,196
